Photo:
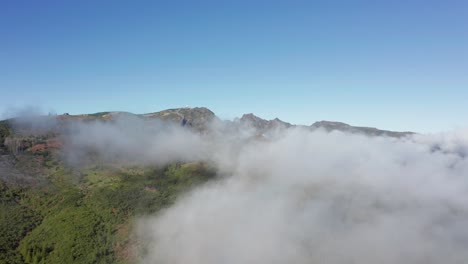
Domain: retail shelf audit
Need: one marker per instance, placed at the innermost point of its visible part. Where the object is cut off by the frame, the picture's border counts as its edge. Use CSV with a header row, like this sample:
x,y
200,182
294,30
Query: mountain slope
x,y
343,127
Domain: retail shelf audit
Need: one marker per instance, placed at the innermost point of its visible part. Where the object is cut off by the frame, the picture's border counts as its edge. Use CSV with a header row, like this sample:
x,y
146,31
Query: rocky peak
x,y
254,121
197,117
281,123
262,124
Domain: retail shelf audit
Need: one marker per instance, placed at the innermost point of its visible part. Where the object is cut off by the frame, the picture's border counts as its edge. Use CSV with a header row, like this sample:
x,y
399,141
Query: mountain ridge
x,y
200,118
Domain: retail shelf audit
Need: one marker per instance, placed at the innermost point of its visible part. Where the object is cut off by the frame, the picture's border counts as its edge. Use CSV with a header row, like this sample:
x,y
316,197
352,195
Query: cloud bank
x,y
327,198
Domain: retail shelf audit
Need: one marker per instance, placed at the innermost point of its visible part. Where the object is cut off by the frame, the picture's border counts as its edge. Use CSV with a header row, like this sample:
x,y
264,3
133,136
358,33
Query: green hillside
x,y
62,214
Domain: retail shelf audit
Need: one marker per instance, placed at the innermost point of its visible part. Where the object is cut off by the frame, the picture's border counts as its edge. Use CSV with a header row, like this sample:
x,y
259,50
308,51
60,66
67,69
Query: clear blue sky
x,y
400,65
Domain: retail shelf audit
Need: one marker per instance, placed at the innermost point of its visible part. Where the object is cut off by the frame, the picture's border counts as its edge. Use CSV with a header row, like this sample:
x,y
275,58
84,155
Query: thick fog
x,y
320,197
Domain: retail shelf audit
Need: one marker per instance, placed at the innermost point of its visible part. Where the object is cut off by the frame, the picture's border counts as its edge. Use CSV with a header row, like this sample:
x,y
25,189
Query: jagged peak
x,y
250,116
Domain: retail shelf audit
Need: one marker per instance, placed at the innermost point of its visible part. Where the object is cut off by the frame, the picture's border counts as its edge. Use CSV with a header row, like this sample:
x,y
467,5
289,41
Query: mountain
x,y
262,125
58,210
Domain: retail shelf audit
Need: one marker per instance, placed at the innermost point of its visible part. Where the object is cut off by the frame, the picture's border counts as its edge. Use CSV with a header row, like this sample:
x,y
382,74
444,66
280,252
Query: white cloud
x,y
323,198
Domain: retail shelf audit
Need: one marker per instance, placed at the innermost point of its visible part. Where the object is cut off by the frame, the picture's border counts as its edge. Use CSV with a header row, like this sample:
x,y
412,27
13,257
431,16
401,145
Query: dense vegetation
x,y
16,221
4,133
84,215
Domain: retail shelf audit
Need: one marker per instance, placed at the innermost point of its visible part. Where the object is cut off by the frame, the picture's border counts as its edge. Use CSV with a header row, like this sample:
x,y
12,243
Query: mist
x,y
30,119
131,139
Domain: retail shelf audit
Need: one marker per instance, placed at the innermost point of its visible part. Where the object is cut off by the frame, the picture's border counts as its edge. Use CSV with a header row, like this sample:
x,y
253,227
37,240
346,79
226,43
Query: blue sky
x,y
400,65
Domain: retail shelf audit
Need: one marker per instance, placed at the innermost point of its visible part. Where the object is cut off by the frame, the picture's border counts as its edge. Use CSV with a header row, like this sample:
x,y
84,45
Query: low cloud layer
x,y
324,198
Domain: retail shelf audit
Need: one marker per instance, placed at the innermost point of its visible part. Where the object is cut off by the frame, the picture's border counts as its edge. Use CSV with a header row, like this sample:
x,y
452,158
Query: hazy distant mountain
x,y
262,125
370,131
